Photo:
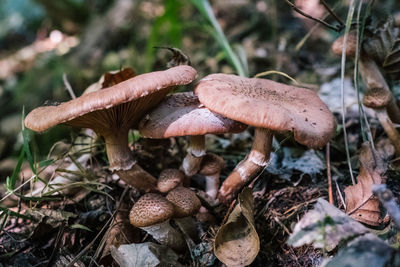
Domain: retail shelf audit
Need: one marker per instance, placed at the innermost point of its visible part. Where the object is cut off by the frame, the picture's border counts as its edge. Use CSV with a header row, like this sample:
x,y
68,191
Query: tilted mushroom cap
x,y
184,200
150,209
182,114
268,104
211,164
351,46
105,109
169,179
377,97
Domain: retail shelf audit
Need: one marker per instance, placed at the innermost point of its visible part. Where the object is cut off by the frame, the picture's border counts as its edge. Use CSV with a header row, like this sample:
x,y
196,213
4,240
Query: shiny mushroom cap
x,y
150,209
267,104
169,179
351,46
182,114
185,202
118,106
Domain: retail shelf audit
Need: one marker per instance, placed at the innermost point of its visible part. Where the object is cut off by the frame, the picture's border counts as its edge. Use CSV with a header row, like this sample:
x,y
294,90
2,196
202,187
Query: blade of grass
x,y
205,9
269,72
343,62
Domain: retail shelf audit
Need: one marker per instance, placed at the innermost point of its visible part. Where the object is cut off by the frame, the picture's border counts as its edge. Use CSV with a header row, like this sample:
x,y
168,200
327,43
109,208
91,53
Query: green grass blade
x,y
205,9
343,62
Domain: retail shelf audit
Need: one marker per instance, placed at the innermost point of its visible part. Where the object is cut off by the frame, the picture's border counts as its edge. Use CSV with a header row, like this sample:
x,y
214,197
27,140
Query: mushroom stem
x,y
212,184
255,161
122,162
373,78
167,235
390,130
195,153
118,152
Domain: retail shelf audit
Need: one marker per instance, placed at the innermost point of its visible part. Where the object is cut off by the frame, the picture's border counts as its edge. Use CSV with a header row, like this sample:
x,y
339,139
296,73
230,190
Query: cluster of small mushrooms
x,y
220,103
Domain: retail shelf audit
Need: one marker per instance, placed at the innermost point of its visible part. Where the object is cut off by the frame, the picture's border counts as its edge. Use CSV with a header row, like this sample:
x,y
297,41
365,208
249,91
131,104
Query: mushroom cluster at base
x,y
112,112
270,107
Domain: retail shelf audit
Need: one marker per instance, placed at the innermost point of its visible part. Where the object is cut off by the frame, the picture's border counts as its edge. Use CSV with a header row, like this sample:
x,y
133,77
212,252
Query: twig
x,y
337,29
386,198
330,10
340,194
328,173
68,86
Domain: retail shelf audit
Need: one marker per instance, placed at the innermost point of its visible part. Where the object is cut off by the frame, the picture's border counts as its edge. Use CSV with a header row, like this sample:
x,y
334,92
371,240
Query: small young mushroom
x,y
370,74
211,167
111,112
152,213
186,204
378,95
169,179
269,106
182,114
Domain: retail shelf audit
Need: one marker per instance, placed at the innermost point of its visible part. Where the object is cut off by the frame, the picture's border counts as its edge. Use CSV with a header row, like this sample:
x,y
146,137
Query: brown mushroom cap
x,y
105,109
169,179
182,114
268,104
150,209
377,98
184,200
211,164
351,46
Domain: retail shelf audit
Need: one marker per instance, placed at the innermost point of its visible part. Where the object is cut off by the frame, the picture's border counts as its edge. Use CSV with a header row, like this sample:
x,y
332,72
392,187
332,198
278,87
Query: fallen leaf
x,y
237,242
361,204
114,77
144,254
324,227
54,218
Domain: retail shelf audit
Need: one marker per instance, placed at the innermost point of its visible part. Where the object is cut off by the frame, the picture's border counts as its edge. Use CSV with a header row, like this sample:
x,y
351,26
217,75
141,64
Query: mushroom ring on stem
x,y
111,112
182,114
270,107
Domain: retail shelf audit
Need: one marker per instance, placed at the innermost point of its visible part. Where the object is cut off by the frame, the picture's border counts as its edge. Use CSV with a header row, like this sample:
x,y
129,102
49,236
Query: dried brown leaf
x,y
237,242
361,204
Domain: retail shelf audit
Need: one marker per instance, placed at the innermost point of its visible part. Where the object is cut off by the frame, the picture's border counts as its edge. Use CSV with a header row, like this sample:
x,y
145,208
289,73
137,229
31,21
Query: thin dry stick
x,y
68,86
330,10
328,172
337,29
340,194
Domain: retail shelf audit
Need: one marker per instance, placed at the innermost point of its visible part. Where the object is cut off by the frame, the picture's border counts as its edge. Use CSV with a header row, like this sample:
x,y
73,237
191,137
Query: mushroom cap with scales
x,y
185,201
182,114
119,106
169,179
150,209
267,104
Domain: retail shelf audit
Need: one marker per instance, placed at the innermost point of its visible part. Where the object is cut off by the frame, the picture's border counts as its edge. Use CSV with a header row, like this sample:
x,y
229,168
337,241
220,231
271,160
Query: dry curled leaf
x,y
361,204
237,242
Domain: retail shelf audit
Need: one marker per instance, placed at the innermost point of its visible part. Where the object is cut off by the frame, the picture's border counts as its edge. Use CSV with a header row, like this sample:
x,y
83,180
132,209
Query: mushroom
x,y
186,204
111,112
378,95
211,167
169,179
270,107
152,213
182,114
